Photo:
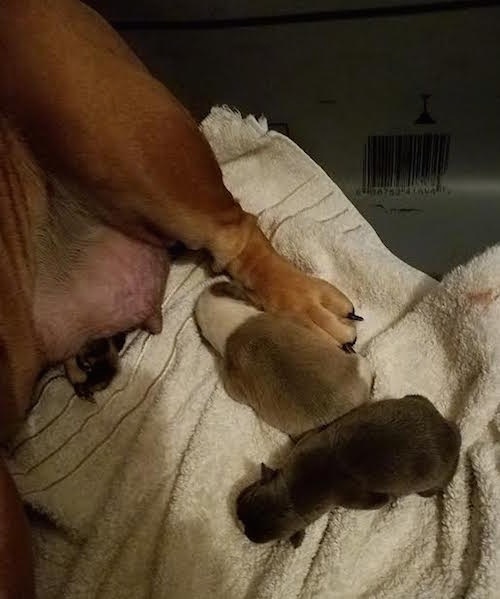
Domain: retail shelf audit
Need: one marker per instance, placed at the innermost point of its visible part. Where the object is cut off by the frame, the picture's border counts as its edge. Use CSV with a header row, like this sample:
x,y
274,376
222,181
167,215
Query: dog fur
x,y
292,378
363,460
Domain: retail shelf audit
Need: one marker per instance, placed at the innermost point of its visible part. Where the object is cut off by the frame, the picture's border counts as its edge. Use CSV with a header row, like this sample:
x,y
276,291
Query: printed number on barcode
x,y
405,162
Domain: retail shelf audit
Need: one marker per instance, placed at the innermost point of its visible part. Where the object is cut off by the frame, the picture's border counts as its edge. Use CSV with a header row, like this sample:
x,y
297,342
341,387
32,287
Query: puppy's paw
x,y
95,366
312,301
429,493
297,538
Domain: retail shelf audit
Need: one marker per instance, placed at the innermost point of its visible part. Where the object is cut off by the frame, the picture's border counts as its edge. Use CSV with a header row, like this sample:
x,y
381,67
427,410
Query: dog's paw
x,y
95,366
314,302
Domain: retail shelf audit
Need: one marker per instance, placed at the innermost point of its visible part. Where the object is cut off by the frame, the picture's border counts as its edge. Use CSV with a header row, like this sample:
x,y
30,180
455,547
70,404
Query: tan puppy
x,y
372,454
100,169
294,379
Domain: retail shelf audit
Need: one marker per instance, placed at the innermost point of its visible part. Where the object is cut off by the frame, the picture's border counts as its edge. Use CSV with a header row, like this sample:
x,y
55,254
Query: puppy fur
x,y
363,460
294,379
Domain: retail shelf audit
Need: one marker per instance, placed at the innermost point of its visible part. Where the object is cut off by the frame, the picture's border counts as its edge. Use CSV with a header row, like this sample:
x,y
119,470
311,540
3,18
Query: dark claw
x,y
348,348
353,316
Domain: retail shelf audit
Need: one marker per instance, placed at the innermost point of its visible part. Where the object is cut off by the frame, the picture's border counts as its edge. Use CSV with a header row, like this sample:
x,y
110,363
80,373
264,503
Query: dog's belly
x,y
113,284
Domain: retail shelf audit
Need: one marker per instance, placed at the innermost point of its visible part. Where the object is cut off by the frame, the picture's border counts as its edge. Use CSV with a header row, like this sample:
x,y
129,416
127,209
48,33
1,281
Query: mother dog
x,y
100,169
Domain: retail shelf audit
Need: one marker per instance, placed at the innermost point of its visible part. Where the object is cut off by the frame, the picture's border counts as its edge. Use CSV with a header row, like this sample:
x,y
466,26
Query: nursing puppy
x,y
294,379
372,454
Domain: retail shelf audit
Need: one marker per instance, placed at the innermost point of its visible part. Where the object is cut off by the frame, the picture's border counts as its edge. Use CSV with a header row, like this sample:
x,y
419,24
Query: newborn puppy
x,y
363,460
294,379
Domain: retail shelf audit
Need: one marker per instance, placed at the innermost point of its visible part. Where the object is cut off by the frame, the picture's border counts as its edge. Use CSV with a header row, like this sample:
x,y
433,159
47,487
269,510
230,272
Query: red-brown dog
x,y
100,169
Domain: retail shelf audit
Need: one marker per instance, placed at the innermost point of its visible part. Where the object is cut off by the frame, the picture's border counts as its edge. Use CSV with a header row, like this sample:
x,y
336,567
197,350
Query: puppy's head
x,y
265,510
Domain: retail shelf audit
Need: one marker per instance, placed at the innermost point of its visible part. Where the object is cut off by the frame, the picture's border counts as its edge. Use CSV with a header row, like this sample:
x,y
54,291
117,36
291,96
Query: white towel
x,y
142,485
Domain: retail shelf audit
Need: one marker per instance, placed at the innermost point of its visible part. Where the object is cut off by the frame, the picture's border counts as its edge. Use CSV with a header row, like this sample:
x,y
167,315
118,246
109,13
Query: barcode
x,y
405,162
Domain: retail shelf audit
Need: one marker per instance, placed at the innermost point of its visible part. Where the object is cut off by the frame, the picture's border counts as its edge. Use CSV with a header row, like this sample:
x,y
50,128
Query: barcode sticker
x,y
405,163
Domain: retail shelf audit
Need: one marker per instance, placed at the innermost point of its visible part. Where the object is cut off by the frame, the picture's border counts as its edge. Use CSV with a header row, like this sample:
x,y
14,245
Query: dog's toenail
x,y
348,348
353,316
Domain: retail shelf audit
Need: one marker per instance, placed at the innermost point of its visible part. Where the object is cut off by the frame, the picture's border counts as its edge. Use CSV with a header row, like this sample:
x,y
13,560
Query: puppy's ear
x,y
267,474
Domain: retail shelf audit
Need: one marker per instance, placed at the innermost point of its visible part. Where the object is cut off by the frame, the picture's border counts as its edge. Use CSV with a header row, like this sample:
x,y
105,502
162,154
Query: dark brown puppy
x,y
364,459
